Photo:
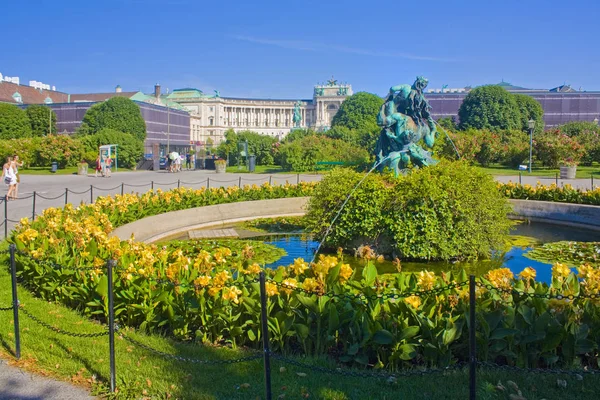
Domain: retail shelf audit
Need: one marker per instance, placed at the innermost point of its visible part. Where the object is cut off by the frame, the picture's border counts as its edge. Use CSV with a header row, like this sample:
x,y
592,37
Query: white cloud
x,y
322,47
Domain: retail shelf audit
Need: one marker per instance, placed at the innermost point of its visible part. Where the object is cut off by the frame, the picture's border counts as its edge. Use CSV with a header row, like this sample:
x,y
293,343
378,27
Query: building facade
x,y
212,115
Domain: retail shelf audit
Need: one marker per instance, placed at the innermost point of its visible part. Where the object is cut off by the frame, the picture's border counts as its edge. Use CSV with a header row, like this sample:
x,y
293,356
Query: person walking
x,y
188,161
10,179
98,167
16,164
107,167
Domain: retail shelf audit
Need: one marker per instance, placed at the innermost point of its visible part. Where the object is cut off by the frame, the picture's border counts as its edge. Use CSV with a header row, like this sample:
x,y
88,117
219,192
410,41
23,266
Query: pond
x,y
514,259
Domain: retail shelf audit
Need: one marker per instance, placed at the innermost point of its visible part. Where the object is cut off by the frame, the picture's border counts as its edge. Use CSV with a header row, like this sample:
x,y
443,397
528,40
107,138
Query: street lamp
x,y
531,125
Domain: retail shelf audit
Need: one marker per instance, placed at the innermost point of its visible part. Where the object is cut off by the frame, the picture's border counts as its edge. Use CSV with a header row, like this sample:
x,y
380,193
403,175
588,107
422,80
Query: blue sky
x,y
280,49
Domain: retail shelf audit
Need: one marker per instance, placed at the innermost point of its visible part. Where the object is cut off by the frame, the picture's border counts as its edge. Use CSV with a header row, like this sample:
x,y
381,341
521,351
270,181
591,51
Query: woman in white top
x,y
10,179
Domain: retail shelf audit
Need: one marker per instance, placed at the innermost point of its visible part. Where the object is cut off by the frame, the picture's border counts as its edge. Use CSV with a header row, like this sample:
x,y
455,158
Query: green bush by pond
x,y
448,211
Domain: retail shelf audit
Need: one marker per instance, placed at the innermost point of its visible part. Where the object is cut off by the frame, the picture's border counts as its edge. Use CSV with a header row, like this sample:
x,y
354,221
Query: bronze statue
x,y
405,118
297,117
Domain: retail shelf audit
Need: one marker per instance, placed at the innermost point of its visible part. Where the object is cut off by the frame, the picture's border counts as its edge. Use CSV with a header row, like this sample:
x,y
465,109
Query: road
x,y
50,190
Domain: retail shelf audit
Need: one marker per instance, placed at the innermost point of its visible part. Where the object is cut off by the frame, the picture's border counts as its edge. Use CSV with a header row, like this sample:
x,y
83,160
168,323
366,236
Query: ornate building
x,y
212,115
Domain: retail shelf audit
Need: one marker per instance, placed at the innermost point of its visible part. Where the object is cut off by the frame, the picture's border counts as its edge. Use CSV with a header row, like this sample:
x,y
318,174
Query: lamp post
x,y
531,125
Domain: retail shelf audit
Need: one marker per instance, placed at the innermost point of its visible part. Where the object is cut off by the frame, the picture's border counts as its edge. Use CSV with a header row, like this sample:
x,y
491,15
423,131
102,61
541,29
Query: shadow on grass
x,y
7,346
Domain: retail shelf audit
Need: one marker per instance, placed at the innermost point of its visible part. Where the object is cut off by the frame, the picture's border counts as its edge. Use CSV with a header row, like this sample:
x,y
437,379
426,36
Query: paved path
x,y
16,384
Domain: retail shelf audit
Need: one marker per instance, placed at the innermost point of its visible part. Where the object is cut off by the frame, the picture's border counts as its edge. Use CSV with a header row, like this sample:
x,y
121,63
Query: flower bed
x,y
209,292
566,194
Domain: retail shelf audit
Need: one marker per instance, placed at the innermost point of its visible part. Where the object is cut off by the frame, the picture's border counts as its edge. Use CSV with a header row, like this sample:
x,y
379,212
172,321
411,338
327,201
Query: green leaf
x,y
370,274
501,333
407,352
408,332
383,336
102,288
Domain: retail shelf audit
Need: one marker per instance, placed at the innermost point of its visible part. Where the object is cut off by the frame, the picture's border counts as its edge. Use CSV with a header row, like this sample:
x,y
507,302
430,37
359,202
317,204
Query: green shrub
x,y
65,150
302,155
42,120
13,122
514,148
129,150
25,148
449,211
590,140
554,149
259,145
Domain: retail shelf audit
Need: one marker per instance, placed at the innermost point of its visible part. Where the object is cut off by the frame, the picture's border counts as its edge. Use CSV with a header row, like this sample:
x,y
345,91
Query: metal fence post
x,y
122,188
13,273
297,179
208,183
556,178
5,216
265,336
151,185
111,324
33,212
66,196
472,341
178,183
240,182
519,177
592,175
270,180
91,194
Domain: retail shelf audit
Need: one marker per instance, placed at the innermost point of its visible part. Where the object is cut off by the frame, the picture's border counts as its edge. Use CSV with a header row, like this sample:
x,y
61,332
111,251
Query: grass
x,y
582,171
60,171
141,374
265,169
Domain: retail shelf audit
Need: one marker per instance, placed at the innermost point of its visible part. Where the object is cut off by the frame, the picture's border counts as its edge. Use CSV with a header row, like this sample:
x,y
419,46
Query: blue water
x,y
302,246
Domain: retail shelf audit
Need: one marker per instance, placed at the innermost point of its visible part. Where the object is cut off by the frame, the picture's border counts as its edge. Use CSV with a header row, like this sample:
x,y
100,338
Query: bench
x,y
327,165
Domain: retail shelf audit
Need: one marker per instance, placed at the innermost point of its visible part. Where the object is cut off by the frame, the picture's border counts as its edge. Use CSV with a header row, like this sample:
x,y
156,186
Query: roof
x,y
162,101
563,89
508,86
97,97
187,93
29,95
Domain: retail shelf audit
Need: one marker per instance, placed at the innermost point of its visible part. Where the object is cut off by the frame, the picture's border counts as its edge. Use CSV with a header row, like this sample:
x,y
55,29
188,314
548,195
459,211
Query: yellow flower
x,y
345,272
231,294
528,273
28,235
413,301
271,289
221,278
213,291
252,269
202,281
560,271
290,283
310,284
299,266
500,278
426,280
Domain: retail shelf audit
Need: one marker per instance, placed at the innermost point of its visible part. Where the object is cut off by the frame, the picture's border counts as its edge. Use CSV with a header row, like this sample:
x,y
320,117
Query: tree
x,y
489,107
530,108
39,117
359,112
259,145
13,122
447,123
129,150
118,113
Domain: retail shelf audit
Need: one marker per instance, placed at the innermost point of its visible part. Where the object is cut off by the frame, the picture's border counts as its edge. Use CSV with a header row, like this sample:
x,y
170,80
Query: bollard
x,y
240,183
270,180
556,178
472,342
265,336
519,178
111,325
5,216
13,273
151,185
178,183
91,194
66,196
122,188
208,183
33,212
592,175
297,179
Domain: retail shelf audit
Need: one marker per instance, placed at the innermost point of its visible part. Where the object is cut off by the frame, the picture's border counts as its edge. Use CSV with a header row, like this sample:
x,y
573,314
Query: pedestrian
x,y
16,164
98,167
193,160
10,179
177,163
188,161
107,166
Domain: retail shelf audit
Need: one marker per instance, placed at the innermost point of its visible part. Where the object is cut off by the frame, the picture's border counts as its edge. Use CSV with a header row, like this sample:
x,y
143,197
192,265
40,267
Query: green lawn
x,y
85,362
260,169
582,171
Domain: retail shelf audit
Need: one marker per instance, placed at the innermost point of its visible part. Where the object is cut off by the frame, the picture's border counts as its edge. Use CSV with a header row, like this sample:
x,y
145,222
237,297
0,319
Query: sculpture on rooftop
x,y
297,117
405,118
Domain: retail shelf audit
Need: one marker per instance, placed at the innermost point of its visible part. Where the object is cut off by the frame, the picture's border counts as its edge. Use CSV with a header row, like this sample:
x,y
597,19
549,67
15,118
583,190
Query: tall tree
x,y
42,120
530,109
13,122
489,107
118,113
359,111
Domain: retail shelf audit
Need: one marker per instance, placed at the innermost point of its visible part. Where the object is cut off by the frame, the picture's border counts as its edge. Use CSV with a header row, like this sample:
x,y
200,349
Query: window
x,y
211,121
212,109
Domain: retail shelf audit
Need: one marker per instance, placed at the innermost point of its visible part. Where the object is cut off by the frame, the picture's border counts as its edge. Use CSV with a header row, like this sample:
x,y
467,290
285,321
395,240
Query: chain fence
x,y
473,364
